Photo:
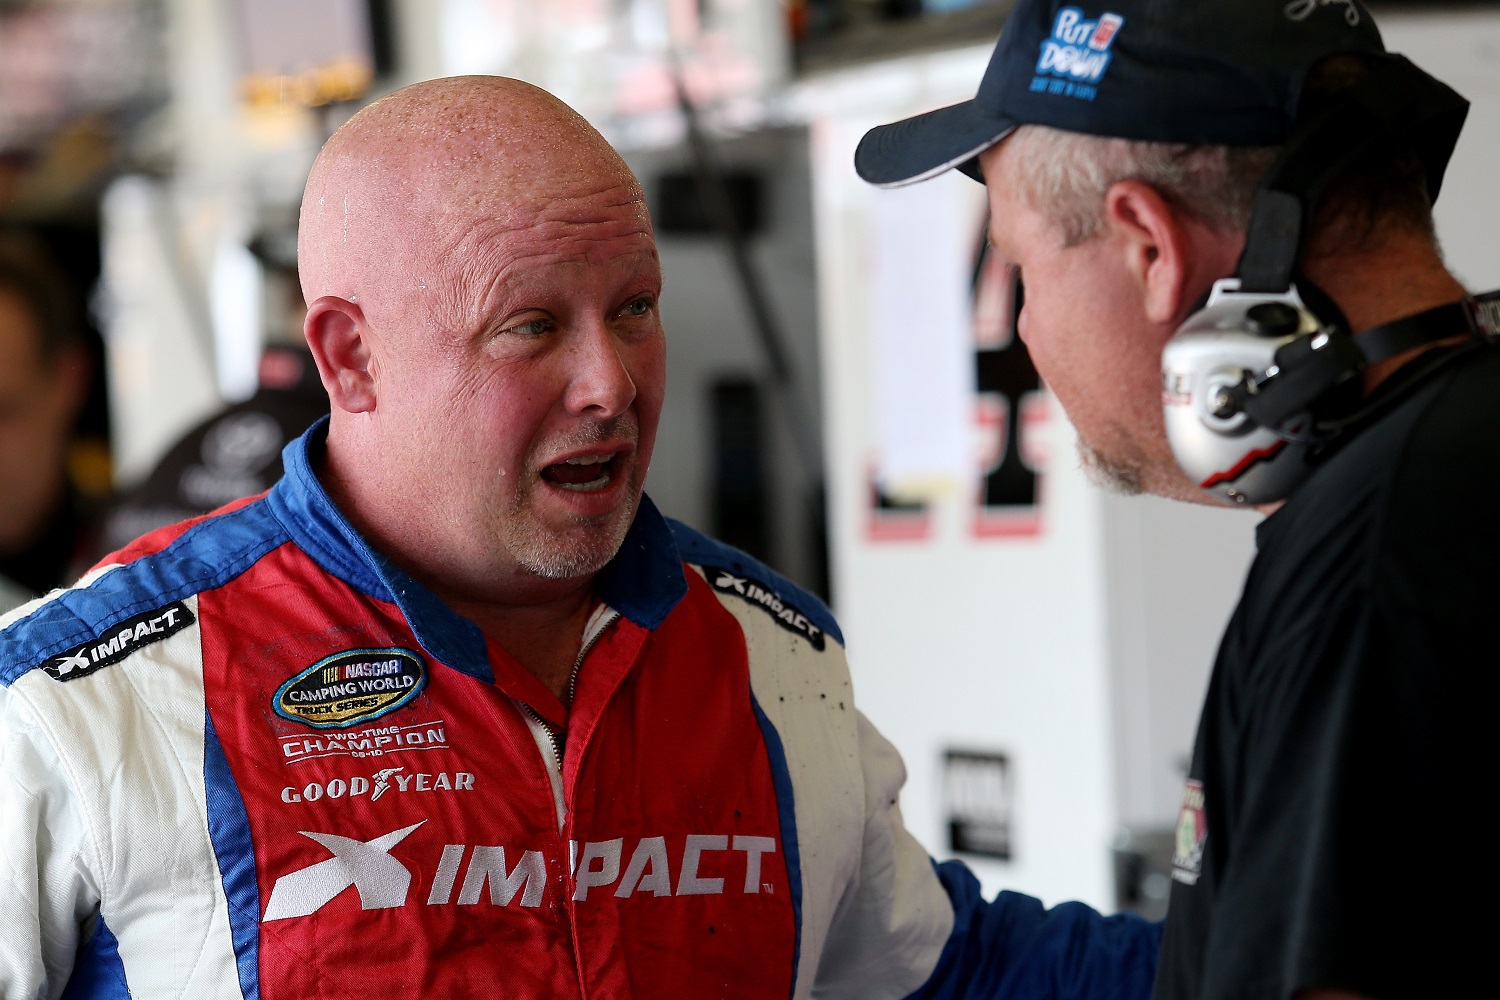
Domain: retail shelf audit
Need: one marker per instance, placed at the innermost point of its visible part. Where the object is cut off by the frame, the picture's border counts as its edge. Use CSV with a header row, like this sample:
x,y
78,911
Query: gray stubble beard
x,y
551,556
1107,473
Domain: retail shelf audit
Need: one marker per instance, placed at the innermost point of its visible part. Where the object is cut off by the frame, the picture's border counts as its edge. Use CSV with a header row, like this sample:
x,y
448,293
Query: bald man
x,y
453,711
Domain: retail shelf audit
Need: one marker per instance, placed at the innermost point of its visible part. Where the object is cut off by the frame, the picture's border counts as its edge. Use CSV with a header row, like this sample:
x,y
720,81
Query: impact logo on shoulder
x,y
351,687
119,642
787,616
1073,60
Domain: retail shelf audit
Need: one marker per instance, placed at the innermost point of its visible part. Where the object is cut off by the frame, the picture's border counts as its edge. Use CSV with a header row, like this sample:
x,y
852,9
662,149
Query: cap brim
x,y
926,145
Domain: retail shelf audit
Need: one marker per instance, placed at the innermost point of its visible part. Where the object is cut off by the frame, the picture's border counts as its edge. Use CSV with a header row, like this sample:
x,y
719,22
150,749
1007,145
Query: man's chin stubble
x,y
551,555
1137,476
1114,475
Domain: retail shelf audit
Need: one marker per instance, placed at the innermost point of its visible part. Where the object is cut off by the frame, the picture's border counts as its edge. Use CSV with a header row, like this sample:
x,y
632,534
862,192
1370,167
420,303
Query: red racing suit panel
x,y
680,886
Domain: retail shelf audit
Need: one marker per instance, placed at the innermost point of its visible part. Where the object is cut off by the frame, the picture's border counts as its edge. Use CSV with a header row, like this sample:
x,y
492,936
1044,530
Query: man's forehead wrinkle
x,y
551,215
484,231
493,286
456,234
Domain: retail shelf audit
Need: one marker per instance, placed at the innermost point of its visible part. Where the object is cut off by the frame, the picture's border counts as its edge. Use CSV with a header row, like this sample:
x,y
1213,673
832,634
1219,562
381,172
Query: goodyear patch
x,y
350,687
769,601
119,642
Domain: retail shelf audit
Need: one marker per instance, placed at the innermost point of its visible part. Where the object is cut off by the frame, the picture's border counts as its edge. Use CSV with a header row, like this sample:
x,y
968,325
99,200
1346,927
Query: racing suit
x,y
250,757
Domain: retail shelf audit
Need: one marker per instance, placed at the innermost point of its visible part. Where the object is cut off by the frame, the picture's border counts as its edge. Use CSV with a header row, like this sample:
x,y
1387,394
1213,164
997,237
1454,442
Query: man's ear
x,y
1159,244
339,339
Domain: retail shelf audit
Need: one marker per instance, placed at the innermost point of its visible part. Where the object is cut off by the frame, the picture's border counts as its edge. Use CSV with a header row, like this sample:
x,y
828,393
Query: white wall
x,y
177,343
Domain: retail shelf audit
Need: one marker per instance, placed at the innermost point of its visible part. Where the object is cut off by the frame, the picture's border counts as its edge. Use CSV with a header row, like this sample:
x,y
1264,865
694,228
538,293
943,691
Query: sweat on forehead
x,y
471,145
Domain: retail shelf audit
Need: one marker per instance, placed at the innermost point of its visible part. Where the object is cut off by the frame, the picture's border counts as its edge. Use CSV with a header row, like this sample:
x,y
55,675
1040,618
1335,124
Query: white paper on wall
x,y
920,245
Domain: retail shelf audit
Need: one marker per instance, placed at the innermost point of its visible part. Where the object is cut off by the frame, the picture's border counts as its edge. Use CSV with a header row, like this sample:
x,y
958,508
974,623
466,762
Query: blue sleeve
x,y
1015,949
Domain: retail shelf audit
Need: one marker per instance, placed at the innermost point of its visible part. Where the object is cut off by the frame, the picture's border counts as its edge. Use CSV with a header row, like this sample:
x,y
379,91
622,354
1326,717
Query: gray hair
x,y
1065,175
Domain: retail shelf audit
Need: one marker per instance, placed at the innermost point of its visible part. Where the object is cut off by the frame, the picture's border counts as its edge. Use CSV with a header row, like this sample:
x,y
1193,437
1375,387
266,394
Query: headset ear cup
x,y
1245,449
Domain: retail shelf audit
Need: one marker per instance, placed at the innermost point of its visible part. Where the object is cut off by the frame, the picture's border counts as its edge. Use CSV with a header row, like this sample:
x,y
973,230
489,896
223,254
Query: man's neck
x,y
1403,277
544,638
538,621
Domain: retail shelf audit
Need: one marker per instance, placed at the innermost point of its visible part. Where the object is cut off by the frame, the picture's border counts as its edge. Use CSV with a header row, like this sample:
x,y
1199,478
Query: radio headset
x,y
1261,381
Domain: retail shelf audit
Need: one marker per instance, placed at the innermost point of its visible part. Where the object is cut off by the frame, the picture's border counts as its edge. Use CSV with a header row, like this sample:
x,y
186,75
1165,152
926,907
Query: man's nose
x,y
601,384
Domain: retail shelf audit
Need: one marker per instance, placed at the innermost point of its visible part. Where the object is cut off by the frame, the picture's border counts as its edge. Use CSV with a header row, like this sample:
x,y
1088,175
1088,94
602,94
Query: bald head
x,y
397,192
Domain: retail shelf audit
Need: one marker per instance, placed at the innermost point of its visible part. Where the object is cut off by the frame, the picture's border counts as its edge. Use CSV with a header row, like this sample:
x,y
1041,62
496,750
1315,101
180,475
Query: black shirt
x,y
1330,833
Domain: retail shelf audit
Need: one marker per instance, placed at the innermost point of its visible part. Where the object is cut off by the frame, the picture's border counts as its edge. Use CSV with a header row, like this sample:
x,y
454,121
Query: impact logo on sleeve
x,y
1072,61
351,687
786,616
119,642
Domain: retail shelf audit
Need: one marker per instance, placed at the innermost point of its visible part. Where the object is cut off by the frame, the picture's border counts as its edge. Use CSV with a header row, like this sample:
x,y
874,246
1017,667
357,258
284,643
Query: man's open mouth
x,y
583,473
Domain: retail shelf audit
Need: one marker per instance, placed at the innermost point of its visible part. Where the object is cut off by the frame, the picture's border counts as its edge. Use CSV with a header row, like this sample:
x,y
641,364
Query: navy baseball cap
x,y
1222,72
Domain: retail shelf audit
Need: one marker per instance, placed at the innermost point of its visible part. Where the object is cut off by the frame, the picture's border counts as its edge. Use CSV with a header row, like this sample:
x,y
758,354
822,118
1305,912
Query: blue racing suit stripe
x,y
229,832
786,811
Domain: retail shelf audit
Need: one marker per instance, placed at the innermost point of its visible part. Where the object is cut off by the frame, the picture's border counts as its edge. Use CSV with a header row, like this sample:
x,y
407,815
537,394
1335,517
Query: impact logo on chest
x,y
785,615
119,642
350,687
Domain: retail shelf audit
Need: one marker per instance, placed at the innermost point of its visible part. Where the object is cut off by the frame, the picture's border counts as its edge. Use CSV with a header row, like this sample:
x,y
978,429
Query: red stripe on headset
x,y
1249,459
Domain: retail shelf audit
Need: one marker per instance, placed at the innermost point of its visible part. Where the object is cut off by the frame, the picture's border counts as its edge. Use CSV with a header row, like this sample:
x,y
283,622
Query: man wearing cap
x,y
1220,214
452,711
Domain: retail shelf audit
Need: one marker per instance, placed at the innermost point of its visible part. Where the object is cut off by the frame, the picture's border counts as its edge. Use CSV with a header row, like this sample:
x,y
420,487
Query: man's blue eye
x,y
532,328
